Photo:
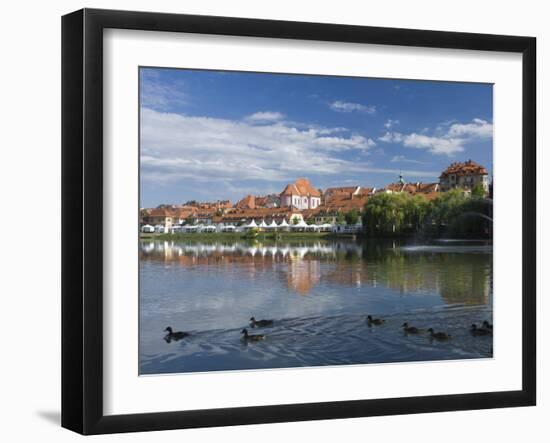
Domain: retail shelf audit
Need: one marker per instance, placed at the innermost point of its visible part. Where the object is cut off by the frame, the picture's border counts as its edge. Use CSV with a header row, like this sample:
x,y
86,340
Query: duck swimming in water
x,y
409,329
487,325
375,321
260,323
480,331
439,335
175,336
249,337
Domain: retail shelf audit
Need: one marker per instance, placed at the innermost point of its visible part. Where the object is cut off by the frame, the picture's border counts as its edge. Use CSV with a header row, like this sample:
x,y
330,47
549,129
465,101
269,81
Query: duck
x,y
480,331
175,335
439,335
487,325
410,329
260,323
248,337
375,321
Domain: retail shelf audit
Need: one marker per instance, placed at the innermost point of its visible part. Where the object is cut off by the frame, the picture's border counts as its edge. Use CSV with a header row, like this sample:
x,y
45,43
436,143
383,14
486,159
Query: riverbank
x,y
299,236
232,236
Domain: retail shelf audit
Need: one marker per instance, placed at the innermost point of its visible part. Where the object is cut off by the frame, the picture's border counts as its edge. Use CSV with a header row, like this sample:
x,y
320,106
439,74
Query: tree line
x,y
452,213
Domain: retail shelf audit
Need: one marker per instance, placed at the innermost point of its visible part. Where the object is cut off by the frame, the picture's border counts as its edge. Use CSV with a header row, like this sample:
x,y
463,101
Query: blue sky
x,y
209,135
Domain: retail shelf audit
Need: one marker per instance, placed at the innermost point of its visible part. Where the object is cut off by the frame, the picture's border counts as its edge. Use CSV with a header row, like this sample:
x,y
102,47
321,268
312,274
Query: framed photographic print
x,y
269,221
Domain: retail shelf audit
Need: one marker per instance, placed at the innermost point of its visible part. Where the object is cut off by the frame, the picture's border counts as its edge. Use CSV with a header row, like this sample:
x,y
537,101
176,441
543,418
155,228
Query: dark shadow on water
x,y
54,417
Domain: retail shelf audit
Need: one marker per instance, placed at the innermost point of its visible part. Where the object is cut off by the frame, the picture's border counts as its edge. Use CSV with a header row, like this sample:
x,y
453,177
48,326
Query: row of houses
x,y
301,202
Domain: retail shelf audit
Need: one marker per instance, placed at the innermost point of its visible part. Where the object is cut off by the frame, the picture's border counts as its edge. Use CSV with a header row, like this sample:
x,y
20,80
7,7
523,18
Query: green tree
x,y
452,212
352,217
385,213
340,218
478,191
416,211
447,207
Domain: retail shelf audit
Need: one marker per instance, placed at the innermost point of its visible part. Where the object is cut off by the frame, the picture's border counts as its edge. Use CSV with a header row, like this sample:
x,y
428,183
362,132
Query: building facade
x,y
464,175
301,195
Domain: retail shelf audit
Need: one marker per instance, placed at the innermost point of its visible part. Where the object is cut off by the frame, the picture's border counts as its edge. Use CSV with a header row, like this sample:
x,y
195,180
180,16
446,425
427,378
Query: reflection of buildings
x,y
346,275
458,278
303,275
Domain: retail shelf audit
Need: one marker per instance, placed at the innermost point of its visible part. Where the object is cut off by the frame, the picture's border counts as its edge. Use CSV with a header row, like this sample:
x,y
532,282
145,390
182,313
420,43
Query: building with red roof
x,y
248,202
301,195
464,175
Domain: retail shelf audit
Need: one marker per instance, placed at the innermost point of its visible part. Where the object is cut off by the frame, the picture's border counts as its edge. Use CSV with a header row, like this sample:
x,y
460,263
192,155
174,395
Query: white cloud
x,y
403,159
435,145
265,117
449,142
389,123
476,129
341,106
175,146
159,95
391,137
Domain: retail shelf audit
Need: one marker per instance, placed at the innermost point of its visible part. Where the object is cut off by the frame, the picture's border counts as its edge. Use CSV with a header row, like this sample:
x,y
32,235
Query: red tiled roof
x,y
304,186
412,188
341,190
249,202
184,213
161,212
339,203
394,187
261,201
206,213
259,214
469,167
301,187
290,189
365,191
427,187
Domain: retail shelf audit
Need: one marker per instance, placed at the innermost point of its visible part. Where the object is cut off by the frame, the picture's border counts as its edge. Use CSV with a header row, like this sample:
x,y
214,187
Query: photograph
x,y
293,221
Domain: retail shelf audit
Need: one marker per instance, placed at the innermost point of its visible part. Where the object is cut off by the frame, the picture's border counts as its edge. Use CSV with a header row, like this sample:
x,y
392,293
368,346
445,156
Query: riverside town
x,y
291,220
460,203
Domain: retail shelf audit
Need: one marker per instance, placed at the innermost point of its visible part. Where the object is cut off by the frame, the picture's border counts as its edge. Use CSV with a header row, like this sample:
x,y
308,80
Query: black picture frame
x,y
82,219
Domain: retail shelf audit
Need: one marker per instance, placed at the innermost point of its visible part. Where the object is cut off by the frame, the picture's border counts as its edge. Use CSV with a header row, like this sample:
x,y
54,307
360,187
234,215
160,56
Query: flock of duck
x,y
485,329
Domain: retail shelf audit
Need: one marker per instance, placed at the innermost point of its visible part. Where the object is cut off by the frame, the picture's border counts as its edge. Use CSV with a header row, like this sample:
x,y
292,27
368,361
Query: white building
x,y
300,195
464,175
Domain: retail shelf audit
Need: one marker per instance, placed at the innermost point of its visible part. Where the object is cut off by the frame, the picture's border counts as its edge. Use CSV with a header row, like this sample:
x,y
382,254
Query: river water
x,y
318,293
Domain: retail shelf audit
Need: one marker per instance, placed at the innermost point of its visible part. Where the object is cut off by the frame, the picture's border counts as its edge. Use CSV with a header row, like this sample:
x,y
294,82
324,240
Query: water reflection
x,y
318,294
459,274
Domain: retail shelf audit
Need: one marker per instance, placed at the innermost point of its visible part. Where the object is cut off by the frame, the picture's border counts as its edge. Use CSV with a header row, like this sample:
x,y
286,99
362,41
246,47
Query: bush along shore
x,y
451,214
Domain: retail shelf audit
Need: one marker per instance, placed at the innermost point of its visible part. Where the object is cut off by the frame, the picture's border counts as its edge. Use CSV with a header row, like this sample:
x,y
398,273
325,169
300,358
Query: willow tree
x,y
385,213
447,206
478,191
352,216
417,209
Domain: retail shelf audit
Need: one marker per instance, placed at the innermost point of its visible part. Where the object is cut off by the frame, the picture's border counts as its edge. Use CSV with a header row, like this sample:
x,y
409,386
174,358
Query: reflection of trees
x,y
467,280
457,277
